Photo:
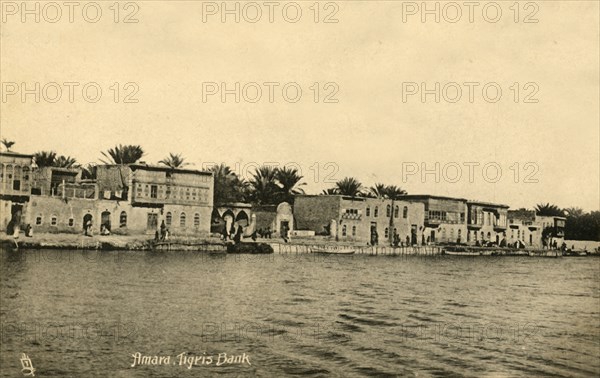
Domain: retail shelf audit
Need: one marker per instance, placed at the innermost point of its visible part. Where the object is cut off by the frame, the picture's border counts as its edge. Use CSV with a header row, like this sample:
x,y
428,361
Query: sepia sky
x,y
370,133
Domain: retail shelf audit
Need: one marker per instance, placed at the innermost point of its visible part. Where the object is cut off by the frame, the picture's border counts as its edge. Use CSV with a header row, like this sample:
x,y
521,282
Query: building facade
x,y
526,229
445,218
15,186
486,223
135,198
358,218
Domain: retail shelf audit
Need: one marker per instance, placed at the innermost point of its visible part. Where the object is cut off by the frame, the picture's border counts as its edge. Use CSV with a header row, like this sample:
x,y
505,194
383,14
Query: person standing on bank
x,y
88,228
16,235
163,228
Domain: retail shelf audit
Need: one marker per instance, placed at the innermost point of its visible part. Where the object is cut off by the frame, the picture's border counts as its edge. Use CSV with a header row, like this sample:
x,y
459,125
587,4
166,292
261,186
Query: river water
x,y
86,313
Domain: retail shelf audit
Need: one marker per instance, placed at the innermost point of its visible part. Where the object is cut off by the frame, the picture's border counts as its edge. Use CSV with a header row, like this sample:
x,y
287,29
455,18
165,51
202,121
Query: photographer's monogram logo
x,y
27,370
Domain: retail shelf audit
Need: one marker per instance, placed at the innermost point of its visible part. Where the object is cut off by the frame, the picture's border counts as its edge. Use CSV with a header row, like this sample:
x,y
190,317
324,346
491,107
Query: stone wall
x,y
316,212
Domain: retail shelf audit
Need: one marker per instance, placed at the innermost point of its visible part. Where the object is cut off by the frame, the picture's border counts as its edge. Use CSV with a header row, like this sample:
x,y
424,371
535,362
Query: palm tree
x,y
349,186
44,158
65,162
288,180
50,159
8,143
329,192
88,172
123,154
174,161
386,191
378,191
574,212
263,185
228,186
548,210
394,192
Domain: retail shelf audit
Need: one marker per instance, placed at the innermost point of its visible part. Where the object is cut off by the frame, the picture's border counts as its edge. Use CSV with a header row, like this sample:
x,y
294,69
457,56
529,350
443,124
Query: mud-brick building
x,y
276,218
445,218
15,186
487,222
48,180
135,198
357,218
527,228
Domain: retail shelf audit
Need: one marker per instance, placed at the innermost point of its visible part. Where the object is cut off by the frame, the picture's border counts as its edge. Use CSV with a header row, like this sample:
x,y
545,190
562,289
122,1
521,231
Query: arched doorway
x,y
229,218
216,222
105,220
242,218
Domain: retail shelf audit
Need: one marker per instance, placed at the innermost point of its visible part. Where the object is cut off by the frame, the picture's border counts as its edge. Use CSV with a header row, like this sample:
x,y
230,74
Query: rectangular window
x,y
153,191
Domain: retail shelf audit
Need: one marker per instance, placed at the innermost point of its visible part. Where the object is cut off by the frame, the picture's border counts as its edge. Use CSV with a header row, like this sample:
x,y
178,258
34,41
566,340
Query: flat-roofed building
x,y
487,222
357,219
135,198
444,218
48,180
15,186
526,228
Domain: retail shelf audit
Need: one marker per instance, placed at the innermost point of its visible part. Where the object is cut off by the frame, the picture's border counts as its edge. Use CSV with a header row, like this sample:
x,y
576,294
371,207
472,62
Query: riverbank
x,y
103,242
215,244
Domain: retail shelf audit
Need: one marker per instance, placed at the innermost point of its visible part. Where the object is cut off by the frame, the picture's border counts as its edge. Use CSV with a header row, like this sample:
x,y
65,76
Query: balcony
x,y
351,216
437,222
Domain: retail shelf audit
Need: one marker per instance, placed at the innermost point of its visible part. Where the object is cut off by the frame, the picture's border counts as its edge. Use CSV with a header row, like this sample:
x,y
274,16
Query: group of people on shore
x,y
396,240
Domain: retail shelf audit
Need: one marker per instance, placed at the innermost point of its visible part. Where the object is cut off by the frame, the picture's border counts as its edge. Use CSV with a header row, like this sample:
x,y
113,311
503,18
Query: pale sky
x,y
369,53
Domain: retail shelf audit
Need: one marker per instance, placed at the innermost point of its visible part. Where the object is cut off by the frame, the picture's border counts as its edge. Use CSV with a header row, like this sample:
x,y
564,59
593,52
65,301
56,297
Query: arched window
x,y
9,173
387,232
396,211
344,230
123,219
38,220
405,212
182,220
388,211
53,220
395,230
169,218
353,230
489,236
26,173
376,212
482,236
197,220
368,211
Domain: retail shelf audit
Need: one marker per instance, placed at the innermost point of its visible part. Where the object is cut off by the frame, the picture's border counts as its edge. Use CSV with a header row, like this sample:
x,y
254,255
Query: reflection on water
x,y
85,313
